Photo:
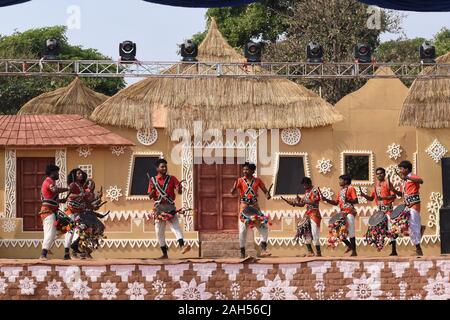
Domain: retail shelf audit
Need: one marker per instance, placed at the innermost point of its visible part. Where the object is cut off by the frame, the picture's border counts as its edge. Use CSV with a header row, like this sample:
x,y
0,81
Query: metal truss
x,y
108,68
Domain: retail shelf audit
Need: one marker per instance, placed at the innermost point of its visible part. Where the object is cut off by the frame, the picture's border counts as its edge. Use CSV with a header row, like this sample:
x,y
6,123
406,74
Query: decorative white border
x,y
304,155
415,162
61,162
371,165
108,243
131,168
10,183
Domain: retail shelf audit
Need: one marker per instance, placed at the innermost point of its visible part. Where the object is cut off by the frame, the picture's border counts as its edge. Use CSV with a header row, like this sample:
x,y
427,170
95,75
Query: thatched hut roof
x,y
220,102
428,102
76,98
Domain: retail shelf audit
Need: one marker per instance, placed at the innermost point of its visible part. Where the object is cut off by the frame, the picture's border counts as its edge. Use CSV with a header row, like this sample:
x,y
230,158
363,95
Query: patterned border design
x,y
61,162
130,172
10,183
371,165
304,155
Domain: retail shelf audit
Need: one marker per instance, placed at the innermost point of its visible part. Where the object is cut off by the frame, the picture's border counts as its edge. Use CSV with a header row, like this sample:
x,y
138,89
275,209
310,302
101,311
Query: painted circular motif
x,y
291,136
147,138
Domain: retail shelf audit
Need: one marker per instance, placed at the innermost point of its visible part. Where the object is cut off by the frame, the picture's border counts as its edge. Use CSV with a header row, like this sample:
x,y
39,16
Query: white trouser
x,y
49,232
160,228
262,229
315,230
351,225
414,226
71,237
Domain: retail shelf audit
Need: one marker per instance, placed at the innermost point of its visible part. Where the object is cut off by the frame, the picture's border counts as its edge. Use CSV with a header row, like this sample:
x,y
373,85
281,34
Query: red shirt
x,y
242,186
382,190
350,194
49,197
171,186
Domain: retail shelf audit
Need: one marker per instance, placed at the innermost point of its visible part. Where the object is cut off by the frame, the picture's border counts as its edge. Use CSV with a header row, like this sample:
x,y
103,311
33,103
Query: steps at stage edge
x,y
224,245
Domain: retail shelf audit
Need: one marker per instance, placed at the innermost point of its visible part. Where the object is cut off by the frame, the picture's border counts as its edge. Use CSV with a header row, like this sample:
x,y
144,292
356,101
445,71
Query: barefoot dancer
x,y
248,187
384,198
410,193
311,200
346,199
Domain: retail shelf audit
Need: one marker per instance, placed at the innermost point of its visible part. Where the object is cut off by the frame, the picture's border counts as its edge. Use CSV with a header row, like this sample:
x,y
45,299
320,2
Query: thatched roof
x,y
428,102
76,98
220,102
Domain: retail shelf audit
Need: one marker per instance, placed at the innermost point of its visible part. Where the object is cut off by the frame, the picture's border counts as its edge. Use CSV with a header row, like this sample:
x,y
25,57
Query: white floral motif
x,y
395,179
364,288
361,199
3,286
277,290
436,150
192,291
147,138
80,289
136,291
327,192
436,201
319,287
108,290
160,288
9,225
54,288
114,193
118,150
84,151
324,166
27,286
394,151
291,136
438,289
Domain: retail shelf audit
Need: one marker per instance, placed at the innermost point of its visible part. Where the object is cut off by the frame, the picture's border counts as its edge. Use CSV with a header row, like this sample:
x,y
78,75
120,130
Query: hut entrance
x,y
217,208
30,175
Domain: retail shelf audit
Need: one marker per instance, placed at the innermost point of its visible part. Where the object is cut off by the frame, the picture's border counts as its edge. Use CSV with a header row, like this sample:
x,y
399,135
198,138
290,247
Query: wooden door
x,y
30,175
217,208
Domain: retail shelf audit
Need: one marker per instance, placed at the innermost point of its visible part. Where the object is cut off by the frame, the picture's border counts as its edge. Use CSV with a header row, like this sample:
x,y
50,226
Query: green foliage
x,y
30,44
442,41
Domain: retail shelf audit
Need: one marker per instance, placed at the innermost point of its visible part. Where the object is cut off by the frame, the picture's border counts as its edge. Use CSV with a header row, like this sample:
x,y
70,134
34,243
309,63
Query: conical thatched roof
x,y
76,98
428,102
220,102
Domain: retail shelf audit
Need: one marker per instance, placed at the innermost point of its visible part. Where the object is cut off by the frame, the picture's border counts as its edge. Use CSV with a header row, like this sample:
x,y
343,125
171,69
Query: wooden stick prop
x,y
287,201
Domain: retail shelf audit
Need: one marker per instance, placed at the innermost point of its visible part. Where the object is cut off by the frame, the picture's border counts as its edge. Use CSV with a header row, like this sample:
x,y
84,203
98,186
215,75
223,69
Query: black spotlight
x,y
51,49
427,53
253,51
127,51
314,53
363,53
189,51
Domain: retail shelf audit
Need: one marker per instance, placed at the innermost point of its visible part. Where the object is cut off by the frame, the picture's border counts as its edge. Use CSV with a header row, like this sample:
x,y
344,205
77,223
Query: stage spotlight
x,y
189,51
127,51
427,53
51,49
314,53
253,51
363,53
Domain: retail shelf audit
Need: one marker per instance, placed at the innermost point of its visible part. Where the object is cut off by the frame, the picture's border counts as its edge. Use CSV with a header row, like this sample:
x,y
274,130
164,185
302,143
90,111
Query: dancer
x,y
50,205
311,200
384,198
346,199
162,189
248,187
411,195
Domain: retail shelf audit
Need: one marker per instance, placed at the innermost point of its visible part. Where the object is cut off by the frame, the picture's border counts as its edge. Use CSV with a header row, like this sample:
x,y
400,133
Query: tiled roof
x,y
55,131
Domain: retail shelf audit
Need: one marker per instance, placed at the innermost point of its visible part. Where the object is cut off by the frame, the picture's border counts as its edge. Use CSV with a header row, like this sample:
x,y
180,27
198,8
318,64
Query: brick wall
x,y
275,278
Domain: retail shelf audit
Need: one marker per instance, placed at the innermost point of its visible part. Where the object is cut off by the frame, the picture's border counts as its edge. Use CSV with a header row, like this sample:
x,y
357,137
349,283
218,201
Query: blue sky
x,y
155,28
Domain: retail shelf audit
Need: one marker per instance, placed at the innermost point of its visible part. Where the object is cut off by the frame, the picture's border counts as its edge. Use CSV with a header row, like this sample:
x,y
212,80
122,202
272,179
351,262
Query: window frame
x,y
368,153
278,155
133,156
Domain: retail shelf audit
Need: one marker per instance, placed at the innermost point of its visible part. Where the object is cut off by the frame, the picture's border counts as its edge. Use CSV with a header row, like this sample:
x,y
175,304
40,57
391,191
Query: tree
x,y
262,21
287,27
17,90
442,41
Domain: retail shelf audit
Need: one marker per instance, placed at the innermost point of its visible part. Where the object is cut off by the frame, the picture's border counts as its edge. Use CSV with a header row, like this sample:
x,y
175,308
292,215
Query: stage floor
x,y
355,278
